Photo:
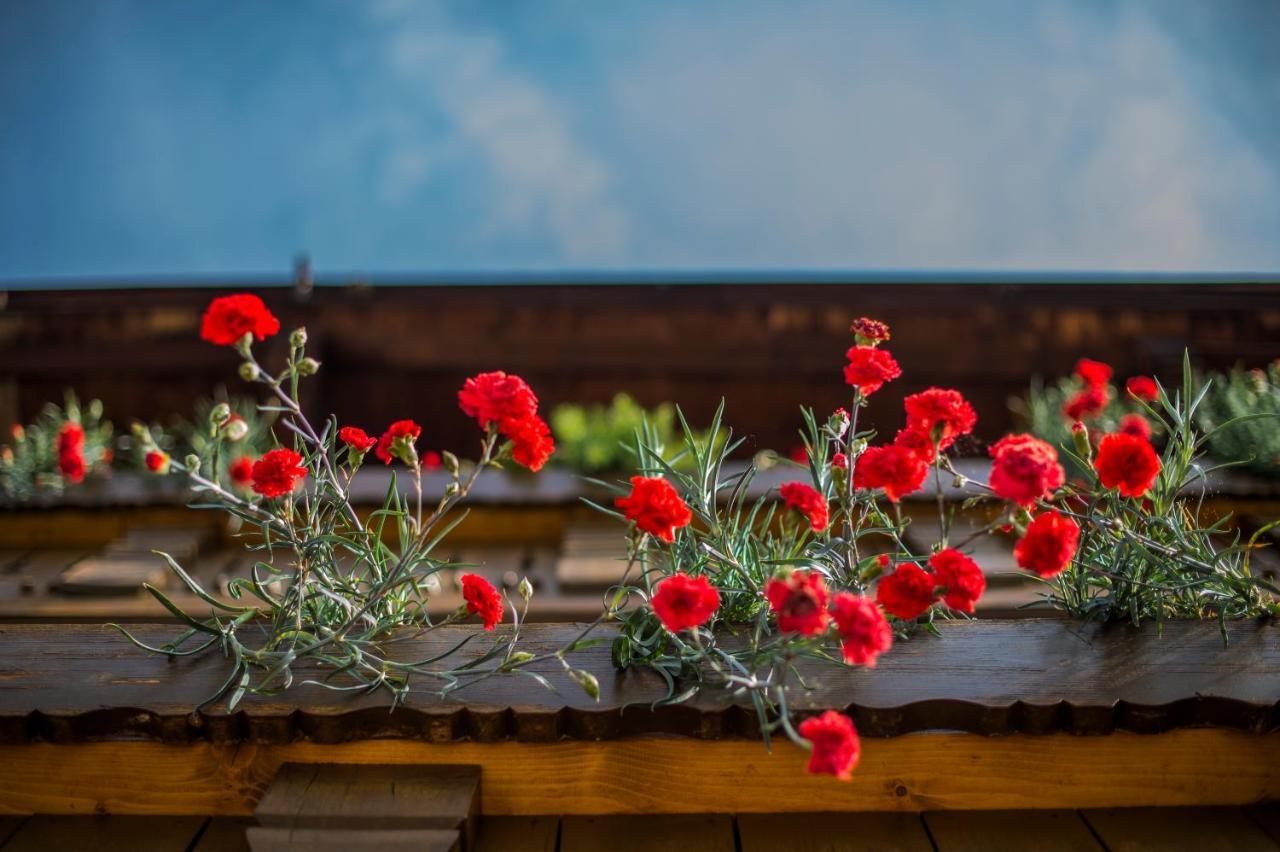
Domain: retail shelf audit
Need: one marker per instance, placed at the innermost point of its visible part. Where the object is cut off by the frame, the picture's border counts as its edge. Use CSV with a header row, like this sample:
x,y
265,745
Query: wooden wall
x,y
403,351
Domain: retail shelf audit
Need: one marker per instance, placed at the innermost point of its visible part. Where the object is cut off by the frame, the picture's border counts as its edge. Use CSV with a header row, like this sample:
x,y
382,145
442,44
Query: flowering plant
x,y
227,433
732,593
331,587
1238,398
1088,396
64,446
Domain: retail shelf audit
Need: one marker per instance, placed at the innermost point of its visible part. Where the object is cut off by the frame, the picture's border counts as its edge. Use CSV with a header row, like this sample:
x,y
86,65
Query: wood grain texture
x,y
660,774
706,833
72,683
827,832
1011,831
1201,829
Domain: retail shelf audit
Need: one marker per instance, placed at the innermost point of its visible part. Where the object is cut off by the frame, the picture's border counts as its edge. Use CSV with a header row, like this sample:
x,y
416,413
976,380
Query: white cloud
x,y
543,180
858,137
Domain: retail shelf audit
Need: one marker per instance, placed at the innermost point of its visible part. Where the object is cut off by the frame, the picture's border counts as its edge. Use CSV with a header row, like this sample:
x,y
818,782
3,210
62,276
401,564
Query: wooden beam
x,y
69,683
675,774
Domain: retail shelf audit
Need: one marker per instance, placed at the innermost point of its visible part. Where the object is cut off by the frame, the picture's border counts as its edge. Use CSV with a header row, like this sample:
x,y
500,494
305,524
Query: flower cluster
x,y
815,572
819,571
1088,397
328,587
63,447
506,403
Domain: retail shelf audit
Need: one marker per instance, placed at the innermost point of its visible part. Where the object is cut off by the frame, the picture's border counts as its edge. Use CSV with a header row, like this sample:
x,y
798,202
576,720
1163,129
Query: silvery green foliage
x,y
1237,396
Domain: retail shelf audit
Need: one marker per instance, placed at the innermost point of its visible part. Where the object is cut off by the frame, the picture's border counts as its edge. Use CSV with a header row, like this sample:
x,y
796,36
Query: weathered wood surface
x,y
1197,829
73,683
393,352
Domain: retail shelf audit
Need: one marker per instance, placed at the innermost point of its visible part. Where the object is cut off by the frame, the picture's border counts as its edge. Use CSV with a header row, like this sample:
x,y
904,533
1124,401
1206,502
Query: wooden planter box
x,y
1028,714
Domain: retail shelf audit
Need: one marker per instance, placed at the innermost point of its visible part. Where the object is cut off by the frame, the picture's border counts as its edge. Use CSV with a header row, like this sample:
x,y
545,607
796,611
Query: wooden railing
x,y
993,714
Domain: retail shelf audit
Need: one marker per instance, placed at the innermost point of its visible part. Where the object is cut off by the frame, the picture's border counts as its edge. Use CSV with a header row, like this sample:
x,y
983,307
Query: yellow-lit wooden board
x,y
678,775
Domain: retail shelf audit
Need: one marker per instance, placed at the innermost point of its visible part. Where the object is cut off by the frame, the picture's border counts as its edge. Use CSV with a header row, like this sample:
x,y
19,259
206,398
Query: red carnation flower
x,y
907,592
277,473
73,467
70,438
1136,425
963,578
868,369
1143,387
799,602
1126,462
898,471
918,442
1024,469
70,447
229,318
531,439
835,744
940,413
397,442
431,460
655,506
1049,544
808,502
682,601
495,397
864,631
356,438
241,471
1095,374
1087,403
869,332
840,461
482,599
157,461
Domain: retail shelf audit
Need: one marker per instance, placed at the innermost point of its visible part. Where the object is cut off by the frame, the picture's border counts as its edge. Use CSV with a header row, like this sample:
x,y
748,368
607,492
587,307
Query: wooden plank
x,y
994,831
9,825
1200,828
1267,816
105,833
518,834
676,775
32,574
325,796
827,832
224,834
182,543
352,840
706,833
775,343
990,677
114,574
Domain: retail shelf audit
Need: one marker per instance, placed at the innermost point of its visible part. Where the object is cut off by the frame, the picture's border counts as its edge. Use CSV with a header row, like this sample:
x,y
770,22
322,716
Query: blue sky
x,y
222,138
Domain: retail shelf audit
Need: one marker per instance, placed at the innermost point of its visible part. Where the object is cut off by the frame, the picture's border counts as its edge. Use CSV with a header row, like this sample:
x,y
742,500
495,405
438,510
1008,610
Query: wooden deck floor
x,y
1121,830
